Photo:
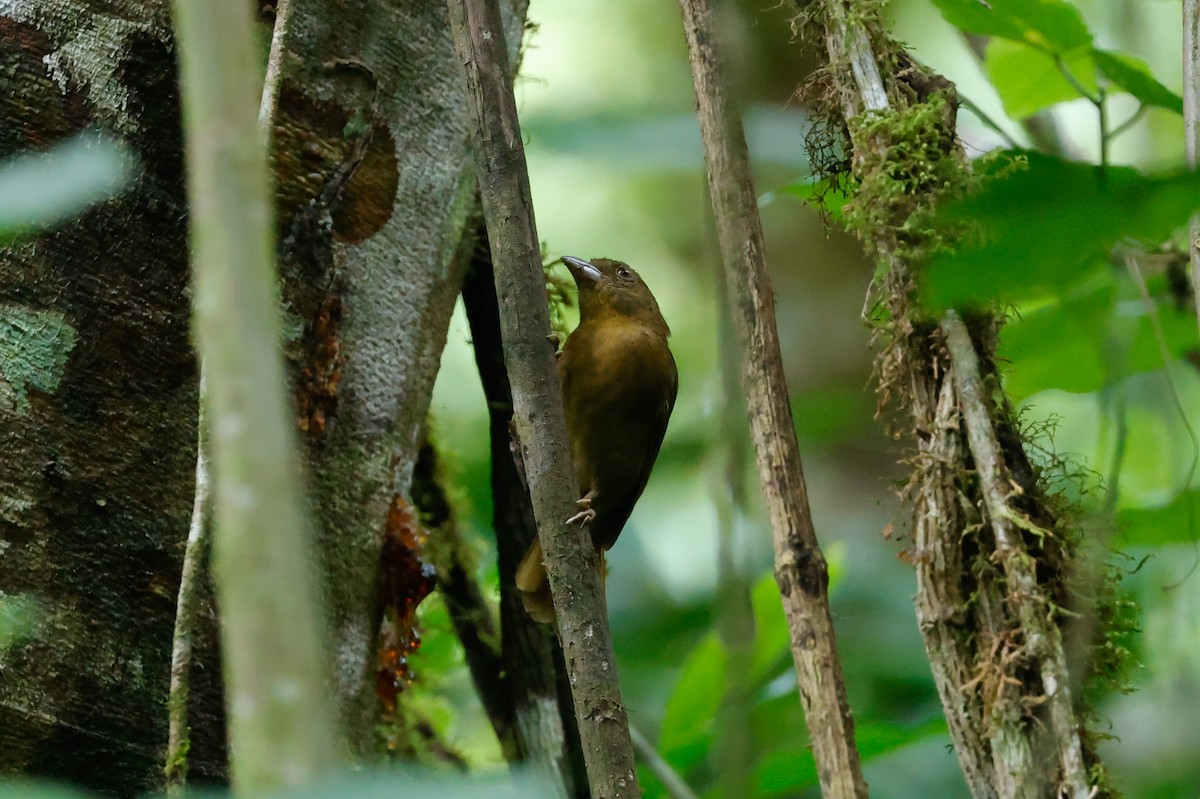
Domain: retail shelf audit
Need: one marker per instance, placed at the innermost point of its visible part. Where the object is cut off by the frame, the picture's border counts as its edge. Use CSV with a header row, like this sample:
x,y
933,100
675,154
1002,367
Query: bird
x,y
619,383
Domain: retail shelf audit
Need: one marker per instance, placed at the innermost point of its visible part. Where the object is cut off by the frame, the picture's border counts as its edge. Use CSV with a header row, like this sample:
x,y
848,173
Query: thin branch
x,y
471,614
1042,127
1128,123
274,74
799,565
1191,126
571,560
1043,639
676,786
527,653
282,728
988,122
187,605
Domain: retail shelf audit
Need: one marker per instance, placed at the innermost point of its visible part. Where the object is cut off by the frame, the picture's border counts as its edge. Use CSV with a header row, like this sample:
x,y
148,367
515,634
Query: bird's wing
x,y
662,414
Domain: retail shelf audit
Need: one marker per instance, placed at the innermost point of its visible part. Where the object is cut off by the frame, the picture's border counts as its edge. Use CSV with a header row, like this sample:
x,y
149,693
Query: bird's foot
x,y
586,513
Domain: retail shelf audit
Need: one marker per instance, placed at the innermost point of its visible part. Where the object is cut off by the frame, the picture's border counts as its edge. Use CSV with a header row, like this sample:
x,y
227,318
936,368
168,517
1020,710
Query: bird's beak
x,y
581,269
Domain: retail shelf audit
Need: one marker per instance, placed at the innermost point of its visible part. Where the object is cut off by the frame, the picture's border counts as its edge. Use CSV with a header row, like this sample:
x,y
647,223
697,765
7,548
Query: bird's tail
x,y
534,584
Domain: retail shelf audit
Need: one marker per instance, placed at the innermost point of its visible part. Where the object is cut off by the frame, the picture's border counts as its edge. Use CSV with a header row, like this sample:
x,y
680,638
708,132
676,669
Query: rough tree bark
x,y
96,464
374,181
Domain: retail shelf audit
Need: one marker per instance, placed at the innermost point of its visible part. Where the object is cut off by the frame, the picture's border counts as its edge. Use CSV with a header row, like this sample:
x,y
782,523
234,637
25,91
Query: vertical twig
x,y
274,74
186,607
538,412
527,653
1191,126
799,565
281,722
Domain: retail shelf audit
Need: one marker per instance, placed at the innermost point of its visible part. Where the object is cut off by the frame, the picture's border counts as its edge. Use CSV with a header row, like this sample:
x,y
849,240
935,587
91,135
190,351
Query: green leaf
x,y
46,188
786,771
1172,523
1050,225
1029,80
1058,345
686,733
1132,75
1051,25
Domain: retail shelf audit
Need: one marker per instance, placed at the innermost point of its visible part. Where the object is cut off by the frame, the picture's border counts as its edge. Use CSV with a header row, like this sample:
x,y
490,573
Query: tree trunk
x,y
97,455
374,181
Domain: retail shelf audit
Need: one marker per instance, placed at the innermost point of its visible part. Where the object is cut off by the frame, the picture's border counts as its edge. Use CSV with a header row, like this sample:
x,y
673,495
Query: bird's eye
x,y
624,273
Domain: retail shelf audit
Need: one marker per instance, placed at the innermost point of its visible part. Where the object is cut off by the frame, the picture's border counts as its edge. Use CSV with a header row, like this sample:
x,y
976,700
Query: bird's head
x,y
612,288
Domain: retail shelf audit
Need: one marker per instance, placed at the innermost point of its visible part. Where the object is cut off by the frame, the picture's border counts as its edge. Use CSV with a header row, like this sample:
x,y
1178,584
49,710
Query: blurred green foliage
x,y
616,170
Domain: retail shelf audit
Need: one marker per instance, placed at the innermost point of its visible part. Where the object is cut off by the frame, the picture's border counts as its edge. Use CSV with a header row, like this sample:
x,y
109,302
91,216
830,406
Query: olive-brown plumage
x,y
619,383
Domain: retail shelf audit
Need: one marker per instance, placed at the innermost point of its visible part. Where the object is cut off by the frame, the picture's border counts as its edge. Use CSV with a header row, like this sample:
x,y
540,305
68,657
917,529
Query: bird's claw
x,y
585,515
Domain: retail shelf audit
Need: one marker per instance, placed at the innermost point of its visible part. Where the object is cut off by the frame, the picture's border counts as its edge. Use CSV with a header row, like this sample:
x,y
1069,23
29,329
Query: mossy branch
x,y
1043,639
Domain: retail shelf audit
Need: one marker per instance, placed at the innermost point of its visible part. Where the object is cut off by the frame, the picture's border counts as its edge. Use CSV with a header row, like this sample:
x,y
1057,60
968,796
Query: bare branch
x,y
195,557
527,652
541,426
800,567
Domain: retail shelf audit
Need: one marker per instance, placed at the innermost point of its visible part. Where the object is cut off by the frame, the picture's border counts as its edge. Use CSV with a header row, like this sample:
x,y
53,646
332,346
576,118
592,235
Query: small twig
x,y
988,121
187,605
1191,126
1168,373
1129,123
1042,127
274,74
676,786
473,617
571,560
1105,133
799,564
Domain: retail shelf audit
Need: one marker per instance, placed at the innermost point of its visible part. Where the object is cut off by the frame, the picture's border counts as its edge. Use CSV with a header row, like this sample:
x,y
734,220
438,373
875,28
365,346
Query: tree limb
x,y
525,325
1043,639
528,655
800,567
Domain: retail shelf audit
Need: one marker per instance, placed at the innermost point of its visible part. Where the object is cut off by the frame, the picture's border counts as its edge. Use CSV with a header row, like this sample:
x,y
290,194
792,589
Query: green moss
x,y
34,346
914,164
